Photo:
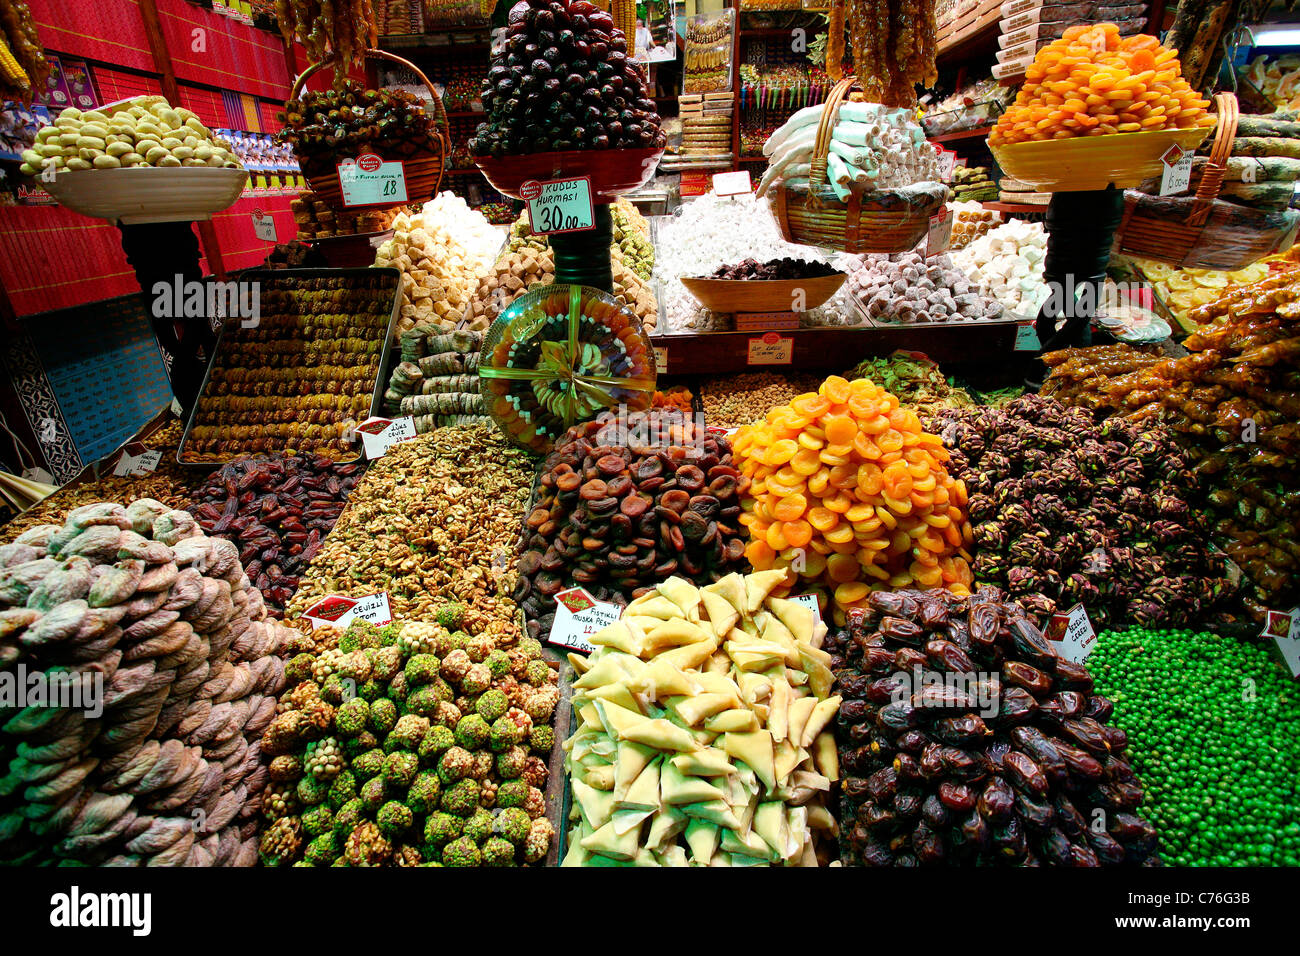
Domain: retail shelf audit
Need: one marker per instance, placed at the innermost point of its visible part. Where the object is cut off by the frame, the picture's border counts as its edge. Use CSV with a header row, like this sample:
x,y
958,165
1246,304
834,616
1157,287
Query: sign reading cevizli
x,y
340,610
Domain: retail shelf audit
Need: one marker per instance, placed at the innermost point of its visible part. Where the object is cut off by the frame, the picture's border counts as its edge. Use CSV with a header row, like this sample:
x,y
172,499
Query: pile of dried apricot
x,y
850,495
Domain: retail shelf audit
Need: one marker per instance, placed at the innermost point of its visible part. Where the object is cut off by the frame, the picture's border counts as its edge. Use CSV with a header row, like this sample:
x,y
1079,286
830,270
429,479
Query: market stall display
x,y
158,628
265,392
975,105
973,184
559,357
433,521
318,220
564,82
893,47
277,510
965,739
441,252
337,126
914,380
909,288
1025,28
702,733
436,380
1006,264
421,742
846,493
624,501
1179,696
1232,404
1182,290
1065,511
740,399
970,220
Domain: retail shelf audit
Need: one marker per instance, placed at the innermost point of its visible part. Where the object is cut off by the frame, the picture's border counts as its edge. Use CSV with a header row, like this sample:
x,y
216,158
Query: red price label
x,y
531,189
369,162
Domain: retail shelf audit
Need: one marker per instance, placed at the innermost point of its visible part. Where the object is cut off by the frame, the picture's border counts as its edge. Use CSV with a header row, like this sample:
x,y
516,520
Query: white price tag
x,y
732,184
1284,628
661,360
1176,171
137,460
578,615
1073,632
369,181
378,435
770,349
937,239
559,205
264,226
341,611
946,160
1027,338
809,601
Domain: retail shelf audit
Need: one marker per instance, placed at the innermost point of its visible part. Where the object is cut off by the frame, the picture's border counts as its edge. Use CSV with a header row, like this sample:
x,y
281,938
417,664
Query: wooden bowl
x,y
763,295
1093,162
613,172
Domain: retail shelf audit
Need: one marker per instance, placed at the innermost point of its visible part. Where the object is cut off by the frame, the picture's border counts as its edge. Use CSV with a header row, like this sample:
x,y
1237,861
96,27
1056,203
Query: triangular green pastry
x,y
625,820
661,678
702,837
821,715
643,794
722,613
654,605
797,618
689,656
751,845
661,734
676,788
681,592
608,843
708,762
693,710
759,585
630,759
617,720
730,588
668,822
755,749
594,805
738,719
714,811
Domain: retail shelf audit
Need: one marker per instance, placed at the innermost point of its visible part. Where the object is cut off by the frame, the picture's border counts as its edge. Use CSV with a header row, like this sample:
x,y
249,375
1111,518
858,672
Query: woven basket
x,y
423,165
1203,231
877,221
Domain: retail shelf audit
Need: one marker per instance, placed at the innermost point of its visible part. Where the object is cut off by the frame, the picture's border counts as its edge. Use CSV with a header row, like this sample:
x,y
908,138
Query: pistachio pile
x,y
740,399
625,501
417,743
703,734
434,520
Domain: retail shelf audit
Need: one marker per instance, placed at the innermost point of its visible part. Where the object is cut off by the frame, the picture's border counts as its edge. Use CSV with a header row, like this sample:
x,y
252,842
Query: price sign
x,y
263,226
937,239
946,159
661,360
341,611
137,460
578,615
1176,171
378,435
369,181
1027,338
1073,632
1284,628
732,184
771,349
559,205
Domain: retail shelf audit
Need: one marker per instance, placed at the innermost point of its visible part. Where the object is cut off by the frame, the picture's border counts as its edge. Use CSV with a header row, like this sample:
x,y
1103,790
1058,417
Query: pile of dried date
x,y
277,509
963,738
149,672
626,501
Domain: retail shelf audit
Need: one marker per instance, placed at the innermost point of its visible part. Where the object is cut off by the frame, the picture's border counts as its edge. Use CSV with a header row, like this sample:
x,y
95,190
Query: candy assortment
x,y
908,288
1007,263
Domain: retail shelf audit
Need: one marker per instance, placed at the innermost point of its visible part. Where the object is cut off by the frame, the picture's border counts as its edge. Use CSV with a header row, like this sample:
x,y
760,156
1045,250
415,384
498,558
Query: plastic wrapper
x,y
560,356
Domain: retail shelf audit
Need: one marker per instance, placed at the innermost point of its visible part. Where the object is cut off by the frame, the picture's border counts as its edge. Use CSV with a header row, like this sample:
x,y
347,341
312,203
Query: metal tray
x,y
291,276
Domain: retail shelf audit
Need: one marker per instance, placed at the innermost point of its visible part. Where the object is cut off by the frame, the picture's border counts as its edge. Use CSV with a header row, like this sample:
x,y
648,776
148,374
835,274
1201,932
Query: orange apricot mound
x,y
1093,82
850,495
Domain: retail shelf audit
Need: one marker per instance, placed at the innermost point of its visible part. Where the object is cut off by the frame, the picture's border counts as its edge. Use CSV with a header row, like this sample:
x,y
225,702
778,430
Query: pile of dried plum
x,y
564,81
964,739
784,268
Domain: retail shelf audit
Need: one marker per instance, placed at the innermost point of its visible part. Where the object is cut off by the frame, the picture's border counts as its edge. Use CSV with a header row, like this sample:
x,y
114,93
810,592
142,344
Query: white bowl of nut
x,y
147,193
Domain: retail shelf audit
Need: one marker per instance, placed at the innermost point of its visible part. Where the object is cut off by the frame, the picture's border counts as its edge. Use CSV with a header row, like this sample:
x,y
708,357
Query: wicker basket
x,y
423,165
1203,231
877,221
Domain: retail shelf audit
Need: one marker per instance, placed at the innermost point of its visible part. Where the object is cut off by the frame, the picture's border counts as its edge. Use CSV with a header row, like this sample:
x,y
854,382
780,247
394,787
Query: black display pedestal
x,y
582,258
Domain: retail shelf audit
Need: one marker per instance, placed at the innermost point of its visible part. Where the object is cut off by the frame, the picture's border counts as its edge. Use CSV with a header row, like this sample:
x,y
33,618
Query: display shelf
x,y
1016,207
975,34
711,353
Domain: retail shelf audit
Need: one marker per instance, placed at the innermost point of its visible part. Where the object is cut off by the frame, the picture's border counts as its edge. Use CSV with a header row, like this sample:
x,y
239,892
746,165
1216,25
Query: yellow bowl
x,y
1092,162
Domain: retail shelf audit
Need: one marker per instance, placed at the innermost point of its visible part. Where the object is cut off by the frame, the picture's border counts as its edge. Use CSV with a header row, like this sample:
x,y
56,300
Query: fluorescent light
x,y
1280,35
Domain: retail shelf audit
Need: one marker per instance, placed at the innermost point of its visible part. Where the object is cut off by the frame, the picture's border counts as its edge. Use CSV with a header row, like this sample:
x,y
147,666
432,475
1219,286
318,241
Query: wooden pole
x,y
162,60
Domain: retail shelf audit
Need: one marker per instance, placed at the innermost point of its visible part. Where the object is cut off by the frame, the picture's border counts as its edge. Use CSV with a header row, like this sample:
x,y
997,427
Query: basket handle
x,y
1207,191
817,175
439,112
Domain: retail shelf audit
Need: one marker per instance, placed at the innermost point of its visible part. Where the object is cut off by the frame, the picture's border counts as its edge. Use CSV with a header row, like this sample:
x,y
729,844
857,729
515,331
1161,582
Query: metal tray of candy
x,y
291,278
